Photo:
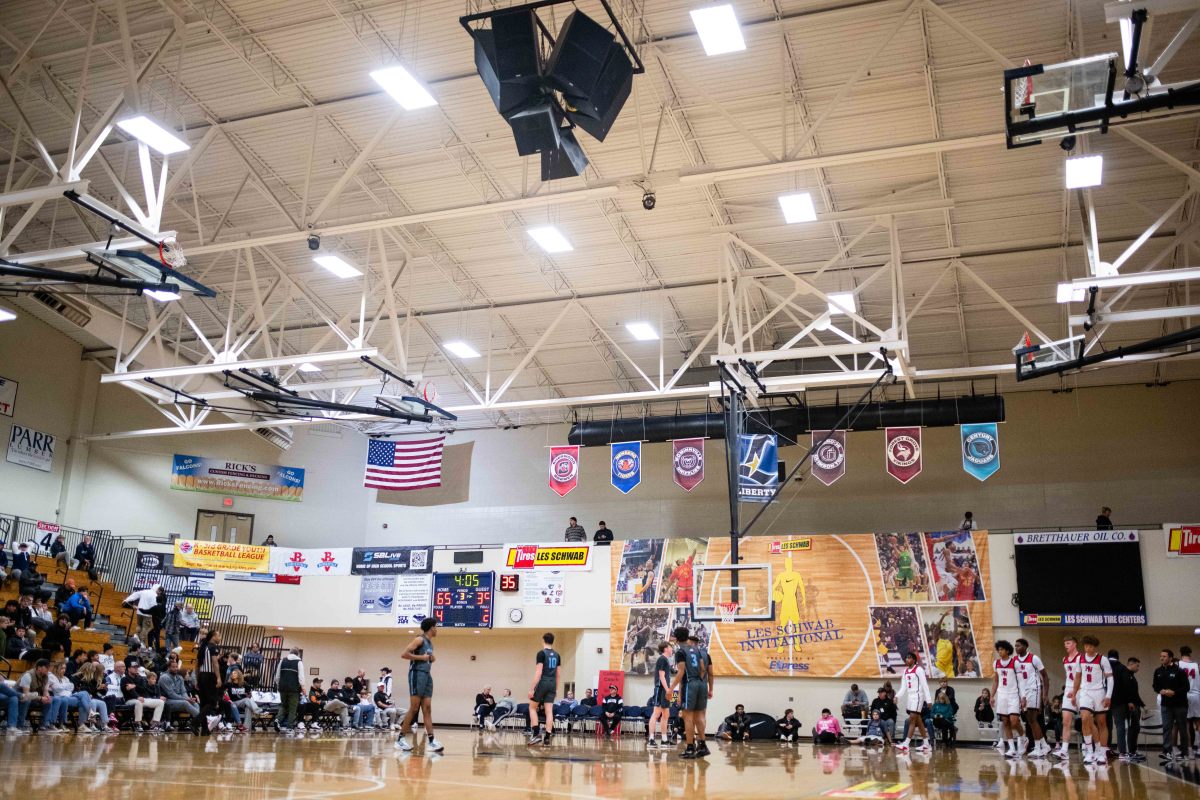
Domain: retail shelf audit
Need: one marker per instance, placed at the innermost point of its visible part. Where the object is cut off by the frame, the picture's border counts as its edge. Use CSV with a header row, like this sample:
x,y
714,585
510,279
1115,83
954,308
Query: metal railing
x,y
15,529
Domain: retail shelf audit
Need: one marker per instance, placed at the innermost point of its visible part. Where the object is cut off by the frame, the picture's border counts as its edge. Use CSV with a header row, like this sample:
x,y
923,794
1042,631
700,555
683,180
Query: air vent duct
x,y
280,437
66,307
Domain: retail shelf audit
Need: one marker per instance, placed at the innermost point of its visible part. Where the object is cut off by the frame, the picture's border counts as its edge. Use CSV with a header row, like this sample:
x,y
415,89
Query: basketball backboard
x,y
1050,101
733,593
146,267
1034,360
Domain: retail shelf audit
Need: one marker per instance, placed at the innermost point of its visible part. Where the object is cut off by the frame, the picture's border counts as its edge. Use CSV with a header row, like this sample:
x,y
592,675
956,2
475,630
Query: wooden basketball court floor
x,y
483,765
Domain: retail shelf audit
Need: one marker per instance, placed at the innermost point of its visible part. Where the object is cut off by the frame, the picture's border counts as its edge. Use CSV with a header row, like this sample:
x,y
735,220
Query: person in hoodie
x,y
289,681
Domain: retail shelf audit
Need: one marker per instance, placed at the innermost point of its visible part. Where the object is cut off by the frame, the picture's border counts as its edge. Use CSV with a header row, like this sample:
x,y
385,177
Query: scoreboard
x,y
463,599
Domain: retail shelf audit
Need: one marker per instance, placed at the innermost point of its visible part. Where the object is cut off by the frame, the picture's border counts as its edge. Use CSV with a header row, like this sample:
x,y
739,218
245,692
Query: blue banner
x,y
758,467
626,465
980,449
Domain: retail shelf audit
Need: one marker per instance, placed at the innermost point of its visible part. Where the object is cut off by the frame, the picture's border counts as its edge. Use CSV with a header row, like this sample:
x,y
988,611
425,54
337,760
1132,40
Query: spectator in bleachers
x,y
603,535
854,704
288,680
313,705
142,602
575,532
968,522
943,717
242,702
34,688
885,705
58,550
788,727
485,704
40,616
233,661
385,710
364,711
24,612
269,541
77,660
171,629
58,638
106,657
983,707
79,608
4,565
335,703
158,615
827,730
62,698
21,643
944,686
113,696
22,563
5,625
589,699
139,696
85,556
253,658
737,725
64,593
189,623
613,707
506,705
10,701
176,695
89,681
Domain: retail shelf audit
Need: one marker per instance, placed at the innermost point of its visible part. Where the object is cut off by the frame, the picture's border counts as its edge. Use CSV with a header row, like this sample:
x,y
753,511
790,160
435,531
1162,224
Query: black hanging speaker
x,y
566,161
592,71
508,60
536,127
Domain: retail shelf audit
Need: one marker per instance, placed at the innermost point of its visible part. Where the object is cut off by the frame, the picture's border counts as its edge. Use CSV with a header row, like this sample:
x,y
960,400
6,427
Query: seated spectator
x,y
113,697
77,660
854,704
22,563
506,704
944,686
21,645
788,727
385,710
675,720
828,730
189,623
613,705
64,593
589,699
62,699
336,702
364,711
943,717
89,682
106,657
485,704
242,703
170,627
875,733
58,550
138,695
42,618
736,725
232,661
177,697
253,659
885,704
5,627
983,707
313,705
79,608
58,638
1054,719
34,691
3,564
24,612
85,556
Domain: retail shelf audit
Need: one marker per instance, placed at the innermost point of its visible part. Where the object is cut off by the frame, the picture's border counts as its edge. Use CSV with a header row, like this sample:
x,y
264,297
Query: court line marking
x,y
871,588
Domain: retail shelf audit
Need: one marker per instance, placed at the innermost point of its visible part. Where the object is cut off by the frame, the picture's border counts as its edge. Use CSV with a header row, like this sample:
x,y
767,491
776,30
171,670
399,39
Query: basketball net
x,y
1024,93
1027,342
727,612
171,254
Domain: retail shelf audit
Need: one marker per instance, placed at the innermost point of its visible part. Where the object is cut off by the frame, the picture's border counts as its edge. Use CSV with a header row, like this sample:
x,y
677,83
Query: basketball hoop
x,y
171,254
727,612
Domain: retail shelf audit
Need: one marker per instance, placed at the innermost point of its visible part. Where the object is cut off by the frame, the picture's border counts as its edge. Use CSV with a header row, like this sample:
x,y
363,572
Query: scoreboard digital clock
x,y
463,599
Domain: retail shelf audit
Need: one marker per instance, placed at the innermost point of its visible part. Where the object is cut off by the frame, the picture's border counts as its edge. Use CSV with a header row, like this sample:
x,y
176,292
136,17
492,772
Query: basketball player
x,y
1008,700
685,580
914,688
689,680
662,696
1034,683
1092,692
943,655
1192,670
904,568
419,654
544,690
788,584
1069,709
700,720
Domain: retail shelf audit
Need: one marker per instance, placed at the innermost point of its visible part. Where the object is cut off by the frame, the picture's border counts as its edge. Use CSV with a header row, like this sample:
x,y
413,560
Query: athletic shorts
x,y
910,702
904,576
1193,705
1070,705
545,691
1091,700
695,696
1008,703
661,698
420,684
1032,695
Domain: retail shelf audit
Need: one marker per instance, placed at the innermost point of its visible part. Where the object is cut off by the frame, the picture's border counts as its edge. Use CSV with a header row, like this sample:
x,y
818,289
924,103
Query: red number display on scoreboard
x,y
510,583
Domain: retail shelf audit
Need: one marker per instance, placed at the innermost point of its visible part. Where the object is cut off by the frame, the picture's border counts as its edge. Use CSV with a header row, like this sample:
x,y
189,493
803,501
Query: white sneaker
x,y
299,726
434,745
314,727
925,747
1089,757
403,743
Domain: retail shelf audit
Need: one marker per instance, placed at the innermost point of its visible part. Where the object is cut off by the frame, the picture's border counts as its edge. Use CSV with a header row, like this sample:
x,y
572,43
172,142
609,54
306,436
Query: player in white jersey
x,y
1035,685
1192,670
1007,700
914,688
1069,709
1093,694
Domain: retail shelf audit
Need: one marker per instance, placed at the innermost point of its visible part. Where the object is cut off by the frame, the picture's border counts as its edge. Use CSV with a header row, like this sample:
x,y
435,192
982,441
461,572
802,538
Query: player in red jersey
x,y
914,687
1093,693
1007,700
1035,683
1069,709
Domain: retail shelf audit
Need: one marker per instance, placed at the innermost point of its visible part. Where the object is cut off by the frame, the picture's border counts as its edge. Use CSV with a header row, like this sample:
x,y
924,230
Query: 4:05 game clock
x,y
463,599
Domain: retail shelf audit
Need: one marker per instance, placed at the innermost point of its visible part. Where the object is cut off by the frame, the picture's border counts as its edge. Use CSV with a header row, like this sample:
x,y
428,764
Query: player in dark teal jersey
x,y
544,690
419,655
692,680
700,718
662,695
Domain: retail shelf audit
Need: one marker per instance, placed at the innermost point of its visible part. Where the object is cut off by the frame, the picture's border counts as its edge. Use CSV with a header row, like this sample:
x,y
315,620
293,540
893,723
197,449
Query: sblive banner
x,y
687,462
758,467
902,451
846,605
626,465
221,476
314,561
980,449
829,455
564,469
391,560
221,556
376,594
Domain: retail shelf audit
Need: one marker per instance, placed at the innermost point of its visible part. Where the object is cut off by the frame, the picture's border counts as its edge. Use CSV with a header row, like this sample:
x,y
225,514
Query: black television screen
x,y
1080,578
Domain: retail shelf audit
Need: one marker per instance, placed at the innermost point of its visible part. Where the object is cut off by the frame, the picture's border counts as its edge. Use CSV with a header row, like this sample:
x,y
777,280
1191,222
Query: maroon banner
x,y
902,448
829,456
688,460
564,469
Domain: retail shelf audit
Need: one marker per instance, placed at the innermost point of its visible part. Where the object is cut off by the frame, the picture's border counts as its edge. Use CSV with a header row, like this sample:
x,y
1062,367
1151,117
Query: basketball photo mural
x,y
844,605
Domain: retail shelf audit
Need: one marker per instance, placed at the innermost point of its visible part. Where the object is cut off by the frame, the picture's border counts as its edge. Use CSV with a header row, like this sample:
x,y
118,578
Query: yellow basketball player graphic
x,y
788,592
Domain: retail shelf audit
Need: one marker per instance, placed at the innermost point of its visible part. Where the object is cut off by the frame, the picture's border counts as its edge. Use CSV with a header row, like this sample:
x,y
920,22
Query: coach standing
x,y
1171,686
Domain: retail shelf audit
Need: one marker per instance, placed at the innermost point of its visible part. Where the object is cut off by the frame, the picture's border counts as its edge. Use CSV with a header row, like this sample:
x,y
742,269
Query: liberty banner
x,y
829,456
626,465
843,605
758,467
687,460
902,449
980,449
220,476
564,469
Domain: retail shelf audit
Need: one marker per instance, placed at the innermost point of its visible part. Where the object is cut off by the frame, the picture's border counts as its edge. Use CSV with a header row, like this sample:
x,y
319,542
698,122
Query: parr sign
x,y
573,558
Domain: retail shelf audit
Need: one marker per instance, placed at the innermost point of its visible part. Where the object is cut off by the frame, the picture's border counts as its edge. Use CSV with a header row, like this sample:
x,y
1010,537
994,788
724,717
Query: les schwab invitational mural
x,y
844,605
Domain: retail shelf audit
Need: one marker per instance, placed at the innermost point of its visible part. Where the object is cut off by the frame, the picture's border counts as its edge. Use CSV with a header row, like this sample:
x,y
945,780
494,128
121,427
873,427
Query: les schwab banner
x,y
221,556
560,558
846,606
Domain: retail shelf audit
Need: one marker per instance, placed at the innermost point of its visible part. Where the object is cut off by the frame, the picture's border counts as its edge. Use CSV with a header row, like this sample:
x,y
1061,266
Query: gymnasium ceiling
x,y
889,113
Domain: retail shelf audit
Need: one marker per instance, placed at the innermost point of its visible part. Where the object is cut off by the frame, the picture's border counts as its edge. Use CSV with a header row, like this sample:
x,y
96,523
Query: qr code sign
x,y
418,559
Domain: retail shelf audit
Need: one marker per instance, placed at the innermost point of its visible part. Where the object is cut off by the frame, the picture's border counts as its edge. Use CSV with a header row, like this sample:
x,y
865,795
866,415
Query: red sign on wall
x,y
1183,540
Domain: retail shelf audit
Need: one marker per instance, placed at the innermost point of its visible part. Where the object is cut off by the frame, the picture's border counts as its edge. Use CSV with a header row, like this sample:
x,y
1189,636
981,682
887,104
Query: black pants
x,y
1128,725
210,699
609,723
738,732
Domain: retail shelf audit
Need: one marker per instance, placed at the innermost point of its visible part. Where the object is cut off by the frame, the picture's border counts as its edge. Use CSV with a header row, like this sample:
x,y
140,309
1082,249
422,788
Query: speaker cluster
x,y
583,83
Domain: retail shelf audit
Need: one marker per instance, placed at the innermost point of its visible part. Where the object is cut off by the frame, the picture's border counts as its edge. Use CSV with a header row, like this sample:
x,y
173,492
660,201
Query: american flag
x,y
406,464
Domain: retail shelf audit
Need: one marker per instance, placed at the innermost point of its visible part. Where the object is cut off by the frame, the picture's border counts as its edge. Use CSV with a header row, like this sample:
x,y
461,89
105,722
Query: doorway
x,y
224,526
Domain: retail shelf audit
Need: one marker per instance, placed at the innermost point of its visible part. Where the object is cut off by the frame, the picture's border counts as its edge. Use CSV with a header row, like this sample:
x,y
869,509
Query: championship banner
x,y
846,605
902,449
626,465
221,556
687,459
564,469
758,467
317,561
829,456
980,449
414,597
390,560
376,594
219,476
557,557
1182,540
